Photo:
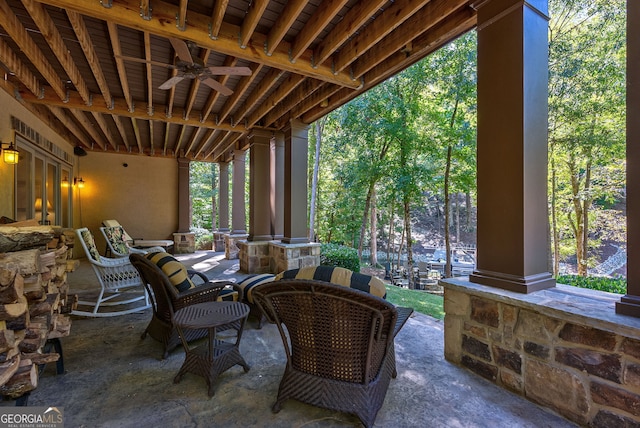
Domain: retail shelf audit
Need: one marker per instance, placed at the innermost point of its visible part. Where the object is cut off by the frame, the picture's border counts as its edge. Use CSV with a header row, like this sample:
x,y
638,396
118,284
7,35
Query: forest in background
x,y
393,172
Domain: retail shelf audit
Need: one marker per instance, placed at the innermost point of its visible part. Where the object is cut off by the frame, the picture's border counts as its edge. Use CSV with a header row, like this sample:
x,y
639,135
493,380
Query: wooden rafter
x,y
250,21
214,95
219,8
124,13
21,71
268,82
240,90
117,51
147,55
88,127
195,85
288,16
181,18
291,82
104,127
9,21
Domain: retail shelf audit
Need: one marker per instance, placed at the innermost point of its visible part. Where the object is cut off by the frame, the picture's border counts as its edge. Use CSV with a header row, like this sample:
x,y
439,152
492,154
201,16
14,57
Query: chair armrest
x,y
202,293
403,316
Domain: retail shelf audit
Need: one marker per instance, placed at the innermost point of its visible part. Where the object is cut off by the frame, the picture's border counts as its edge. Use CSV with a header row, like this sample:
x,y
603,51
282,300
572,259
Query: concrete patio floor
x,y
115,379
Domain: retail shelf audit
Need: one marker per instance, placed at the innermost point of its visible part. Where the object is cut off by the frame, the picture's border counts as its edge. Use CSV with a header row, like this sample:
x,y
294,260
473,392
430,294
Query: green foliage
x,y
204,238
425,303
202,178
339,255
611,285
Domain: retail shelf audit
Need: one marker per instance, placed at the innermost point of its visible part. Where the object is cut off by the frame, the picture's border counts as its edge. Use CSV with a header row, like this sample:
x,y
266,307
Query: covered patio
x,y
114,379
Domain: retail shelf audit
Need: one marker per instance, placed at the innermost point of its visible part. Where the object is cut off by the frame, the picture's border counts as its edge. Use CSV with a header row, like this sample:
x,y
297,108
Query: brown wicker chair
x,y
338,342
166,300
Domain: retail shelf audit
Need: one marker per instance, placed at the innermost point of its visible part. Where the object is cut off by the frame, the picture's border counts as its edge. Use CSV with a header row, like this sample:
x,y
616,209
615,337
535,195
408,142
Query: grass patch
x,y
420,301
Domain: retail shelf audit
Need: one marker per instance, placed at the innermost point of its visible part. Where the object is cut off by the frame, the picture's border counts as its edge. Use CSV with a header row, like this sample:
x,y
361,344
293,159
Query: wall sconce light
x,y
10,154
78,181
65,182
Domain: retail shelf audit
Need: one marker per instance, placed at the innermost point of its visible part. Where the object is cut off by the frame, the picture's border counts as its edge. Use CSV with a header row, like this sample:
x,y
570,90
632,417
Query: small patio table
x,y
219,355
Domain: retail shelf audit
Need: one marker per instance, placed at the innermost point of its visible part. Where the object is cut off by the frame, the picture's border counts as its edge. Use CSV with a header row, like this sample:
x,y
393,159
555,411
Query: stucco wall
x,y
143,196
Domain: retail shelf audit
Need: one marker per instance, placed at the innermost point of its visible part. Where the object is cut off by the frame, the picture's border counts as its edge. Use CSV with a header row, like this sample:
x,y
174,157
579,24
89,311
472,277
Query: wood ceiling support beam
x,y
120,108
71,126
290,83
145,9
79,27
126,13
178,143
301,92
181,19
11,24
195,85
88,127
353,20
166,138
147,55
104,127
192,140
151,135
250,21
206,140
219,8
431,40
264,86
320,96
123,134
51,34
292,9
136,132
21,71
117,51
422,21
223,141
391,18
323,15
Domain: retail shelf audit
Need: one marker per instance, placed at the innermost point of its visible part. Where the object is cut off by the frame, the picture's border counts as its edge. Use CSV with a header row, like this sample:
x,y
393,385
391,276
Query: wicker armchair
x,y
338,342
166,300
120,284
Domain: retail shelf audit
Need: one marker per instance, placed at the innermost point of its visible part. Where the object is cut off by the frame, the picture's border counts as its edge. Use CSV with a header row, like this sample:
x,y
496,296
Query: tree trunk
x,y
457,200
586,203
468,203
365,217
374,230
554,221
391,241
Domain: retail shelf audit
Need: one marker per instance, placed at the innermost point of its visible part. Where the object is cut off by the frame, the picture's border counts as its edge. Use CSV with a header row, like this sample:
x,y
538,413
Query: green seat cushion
x,y
87,237
339,276
176,271
116,238
248,283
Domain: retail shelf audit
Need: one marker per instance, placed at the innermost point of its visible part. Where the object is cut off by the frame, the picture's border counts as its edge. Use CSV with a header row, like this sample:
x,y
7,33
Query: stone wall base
x,y
218,241
275,256
231,250
184,243
564,348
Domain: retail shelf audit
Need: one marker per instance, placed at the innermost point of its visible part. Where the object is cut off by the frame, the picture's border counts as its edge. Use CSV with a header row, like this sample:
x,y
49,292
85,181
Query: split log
x,y
39,359
25,379
61,326
23,238
31,344
12,310
12,292
9,368
45,307
7,338
27,262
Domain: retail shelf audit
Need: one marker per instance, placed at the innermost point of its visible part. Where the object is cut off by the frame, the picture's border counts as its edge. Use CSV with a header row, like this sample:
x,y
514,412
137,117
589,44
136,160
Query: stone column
x,y
630,303
512,145
277,185
238,215
259,186
295,182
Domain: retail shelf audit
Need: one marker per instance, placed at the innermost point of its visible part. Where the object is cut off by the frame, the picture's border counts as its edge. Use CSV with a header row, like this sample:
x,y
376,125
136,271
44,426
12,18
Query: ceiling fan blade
x,y
214,84
172,82
181,49
236,71
144,61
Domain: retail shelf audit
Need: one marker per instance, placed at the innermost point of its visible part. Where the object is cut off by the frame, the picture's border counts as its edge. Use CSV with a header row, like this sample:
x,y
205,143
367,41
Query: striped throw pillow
x,y
176,271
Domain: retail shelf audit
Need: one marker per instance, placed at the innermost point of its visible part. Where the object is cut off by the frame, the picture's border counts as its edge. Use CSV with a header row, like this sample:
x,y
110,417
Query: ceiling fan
x,y
189,67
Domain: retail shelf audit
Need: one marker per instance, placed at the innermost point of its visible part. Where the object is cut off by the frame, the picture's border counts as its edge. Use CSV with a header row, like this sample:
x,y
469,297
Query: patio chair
x,y
119,245
338,342
120,283
172,287
137,242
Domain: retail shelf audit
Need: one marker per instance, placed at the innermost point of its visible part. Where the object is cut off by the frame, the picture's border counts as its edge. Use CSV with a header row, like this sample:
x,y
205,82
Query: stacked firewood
x,y
34,302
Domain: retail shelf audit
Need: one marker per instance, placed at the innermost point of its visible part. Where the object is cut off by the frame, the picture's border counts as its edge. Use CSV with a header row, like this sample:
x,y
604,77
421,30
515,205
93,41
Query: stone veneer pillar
x,y
512,146
183,240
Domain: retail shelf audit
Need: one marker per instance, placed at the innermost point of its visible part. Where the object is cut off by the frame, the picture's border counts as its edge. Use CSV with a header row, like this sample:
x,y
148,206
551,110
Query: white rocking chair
x,y
120,283
119,246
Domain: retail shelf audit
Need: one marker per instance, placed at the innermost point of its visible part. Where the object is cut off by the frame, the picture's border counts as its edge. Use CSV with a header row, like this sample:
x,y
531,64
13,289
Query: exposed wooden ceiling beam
x,y
284,89
195,85
61,115
265,85
88,127
123,134
126,13
121,109
11,24
219,8
250,21
391,18
288,16
320,19
21,71
353,20
240,89
117,51
302,91
211,134
147,55
229,61
78,24
136,132
181,18
104,127
423,20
